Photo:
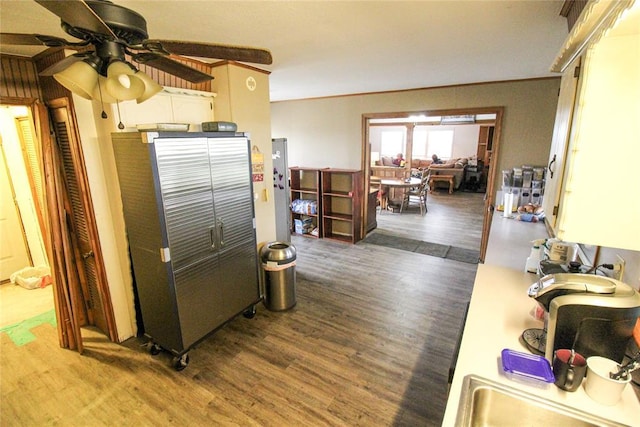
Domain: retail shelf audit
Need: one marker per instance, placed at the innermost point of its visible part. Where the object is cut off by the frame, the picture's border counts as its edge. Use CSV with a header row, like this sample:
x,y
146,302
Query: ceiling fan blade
x,y
172,67
30,39
35,40
63,64
207,50
77,13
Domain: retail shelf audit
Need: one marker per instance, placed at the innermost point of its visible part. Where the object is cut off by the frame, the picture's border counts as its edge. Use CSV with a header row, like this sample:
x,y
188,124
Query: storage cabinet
x,y
187,106
305,201
188,207
485,145
341,204
597,204
559,143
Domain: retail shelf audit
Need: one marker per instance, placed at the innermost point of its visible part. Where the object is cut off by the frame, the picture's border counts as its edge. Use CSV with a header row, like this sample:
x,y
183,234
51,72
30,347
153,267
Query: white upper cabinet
x,y
599,202
192,109
560,141
168,106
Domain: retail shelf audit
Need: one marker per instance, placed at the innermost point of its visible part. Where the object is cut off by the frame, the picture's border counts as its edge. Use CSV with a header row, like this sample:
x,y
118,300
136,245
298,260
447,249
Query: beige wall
x,y
243,98
327,131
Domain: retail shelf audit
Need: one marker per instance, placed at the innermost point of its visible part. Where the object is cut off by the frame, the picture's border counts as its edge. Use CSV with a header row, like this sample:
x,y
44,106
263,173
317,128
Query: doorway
x,y
18,152
491,117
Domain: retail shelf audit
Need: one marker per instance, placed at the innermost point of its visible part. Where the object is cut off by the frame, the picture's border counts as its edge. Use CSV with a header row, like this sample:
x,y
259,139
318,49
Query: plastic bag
x,y
32,277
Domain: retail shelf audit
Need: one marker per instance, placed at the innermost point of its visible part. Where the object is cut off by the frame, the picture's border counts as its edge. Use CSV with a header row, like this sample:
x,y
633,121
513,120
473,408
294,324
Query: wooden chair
x,y
420,193
374,183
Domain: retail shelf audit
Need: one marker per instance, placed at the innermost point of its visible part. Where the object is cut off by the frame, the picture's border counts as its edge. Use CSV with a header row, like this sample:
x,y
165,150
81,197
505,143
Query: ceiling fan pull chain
x,y
104,114
120,125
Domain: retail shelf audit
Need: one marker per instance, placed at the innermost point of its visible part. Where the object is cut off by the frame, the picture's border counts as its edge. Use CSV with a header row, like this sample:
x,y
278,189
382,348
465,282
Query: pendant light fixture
x,y
121,82
106,76
80,77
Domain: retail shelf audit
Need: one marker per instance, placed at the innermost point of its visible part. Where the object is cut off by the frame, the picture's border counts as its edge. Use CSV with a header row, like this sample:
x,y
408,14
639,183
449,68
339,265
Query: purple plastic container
x,y
531,368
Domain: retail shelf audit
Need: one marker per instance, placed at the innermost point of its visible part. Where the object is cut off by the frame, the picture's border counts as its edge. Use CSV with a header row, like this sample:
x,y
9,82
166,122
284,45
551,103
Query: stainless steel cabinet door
x,y
233,201
186,189
232,191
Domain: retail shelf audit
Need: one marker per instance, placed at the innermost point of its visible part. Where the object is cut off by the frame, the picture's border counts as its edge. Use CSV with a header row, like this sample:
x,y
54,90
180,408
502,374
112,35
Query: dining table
x,y
392,198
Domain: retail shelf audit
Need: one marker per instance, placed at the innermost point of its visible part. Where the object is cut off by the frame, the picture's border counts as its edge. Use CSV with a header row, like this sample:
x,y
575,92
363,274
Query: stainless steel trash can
x,y
279,275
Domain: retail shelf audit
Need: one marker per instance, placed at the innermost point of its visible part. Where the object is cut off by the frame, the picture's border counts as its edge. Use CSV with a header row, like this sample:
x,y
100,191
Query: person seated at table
x,y
399,160
435,160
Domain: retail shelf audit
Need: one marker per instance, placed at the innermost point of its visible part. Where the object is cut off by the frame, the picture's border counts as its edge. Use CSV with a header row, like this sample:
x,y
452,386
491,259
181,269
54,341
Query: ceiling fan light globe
x,y
122,83
150,87
100,92
80,78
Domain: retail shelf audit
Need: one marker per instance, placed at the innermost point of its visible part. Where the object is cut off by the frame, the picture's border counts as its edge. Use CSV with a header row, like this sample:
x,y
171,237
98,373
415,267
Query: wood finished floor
x,y
31,302
369,342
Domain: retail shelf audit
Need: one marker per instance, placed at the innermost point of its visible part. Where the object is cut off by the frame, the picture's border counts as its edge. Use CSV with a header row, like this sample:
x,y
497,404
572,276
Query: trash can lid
x,y
279,252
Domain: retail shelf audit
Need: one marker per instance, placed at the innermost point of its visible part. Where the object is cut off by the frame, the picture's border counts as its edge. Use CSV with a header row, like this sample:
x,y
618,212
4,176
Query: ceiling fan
x,y
107,33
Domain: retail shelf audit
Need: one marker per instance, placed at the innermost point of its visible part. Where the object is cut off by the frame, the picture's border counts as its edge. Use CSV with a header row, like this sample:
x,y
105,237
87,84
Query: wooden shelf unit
x,y
485,150
305,185
485,145
341,213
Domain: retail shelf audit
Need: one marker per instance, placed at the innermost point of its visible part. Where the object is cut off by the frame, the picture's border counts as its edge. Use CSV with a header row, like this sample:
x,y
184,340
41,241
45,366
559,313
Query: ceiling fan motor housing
x,y
125,23
116,33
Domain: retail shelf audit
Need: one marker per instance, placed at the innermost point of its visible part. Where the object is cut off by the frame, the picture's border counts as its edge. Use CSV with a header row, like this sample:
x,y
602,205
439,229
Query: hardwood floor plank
x,y
369,342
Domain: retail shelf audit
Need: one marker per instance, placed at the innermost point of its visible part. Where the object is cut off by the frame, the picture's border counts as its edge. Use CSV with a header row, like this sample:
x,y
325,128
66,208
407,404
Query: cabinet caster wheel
x,y
250,312
155,349
181,362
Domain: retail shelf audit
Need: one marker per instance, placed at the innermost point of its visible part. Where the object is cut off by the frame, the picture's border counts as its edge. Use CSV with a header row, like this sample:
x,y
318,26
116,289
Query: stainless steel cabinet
x,y
188,208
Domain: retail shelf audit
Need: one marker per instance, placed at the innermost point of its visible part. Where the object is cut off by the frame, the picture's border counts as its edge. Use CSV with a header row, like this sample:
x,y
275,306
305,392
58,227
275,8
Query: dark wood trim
x,y
17,101
491,178
239,64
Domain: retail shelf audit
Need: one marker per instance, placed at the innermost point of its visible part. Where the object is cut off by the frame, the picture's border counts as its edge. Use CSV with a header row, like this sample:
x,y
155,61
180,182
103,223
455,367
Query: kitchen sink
x,y
487,403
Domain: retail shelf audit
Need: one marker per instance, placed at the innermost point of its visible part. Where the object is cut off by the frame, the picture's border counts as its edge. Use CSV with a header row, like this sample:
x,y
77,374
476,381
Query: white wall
x,y
107,206
328,131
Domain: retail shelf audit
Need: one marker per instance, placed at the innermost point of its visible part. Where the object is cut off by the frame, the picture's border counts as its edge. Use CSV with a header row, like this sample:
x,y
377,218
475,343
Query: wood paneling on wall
x,y
50,88
19,78
165,79
571,9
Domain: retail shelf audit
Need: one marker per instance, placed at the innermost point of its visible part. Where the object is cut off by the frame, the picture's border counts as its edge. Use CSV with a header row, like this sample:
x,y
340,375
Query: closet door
x,y
91,284
233,200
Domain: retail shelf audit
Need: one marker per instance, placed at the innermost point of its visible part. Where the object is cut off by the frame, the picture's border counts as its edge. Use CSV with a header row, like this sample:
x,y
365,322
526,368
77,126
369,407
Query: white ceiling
x,y
323,48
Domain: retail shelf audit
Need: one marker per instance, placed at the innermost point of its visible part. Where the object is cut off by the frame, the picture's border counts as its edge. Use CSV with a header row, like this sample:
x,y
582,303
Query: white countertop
x,y
498,313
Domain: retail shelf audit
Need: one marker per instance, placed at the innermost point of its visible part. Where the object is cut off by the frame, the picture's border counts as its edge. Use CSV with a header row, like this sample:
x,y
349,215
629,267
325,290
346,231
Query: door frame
x,y
39,115
98,297
489,205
